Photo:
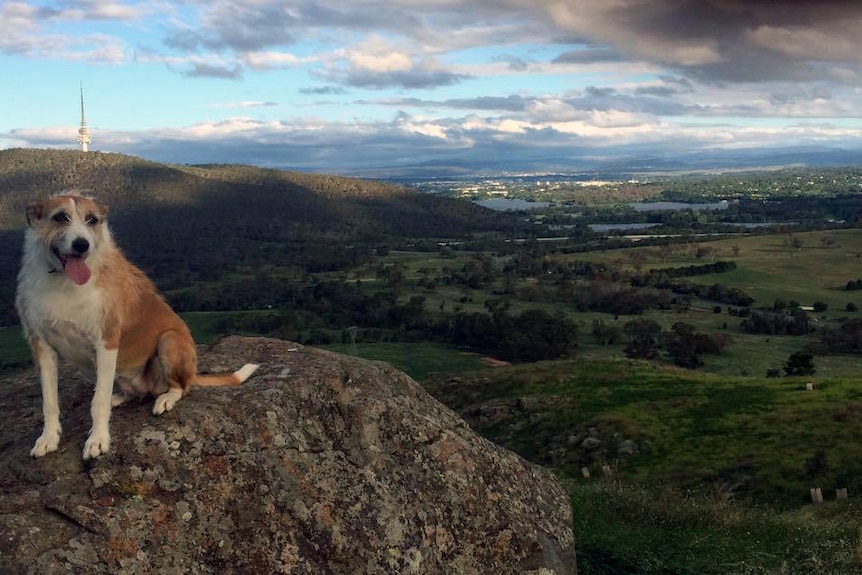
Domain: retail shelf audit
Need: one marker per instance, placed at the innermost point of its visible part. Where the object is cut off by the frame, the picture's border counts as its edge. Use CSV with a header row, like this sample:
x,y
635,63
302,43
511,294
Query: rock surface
x,y
320,463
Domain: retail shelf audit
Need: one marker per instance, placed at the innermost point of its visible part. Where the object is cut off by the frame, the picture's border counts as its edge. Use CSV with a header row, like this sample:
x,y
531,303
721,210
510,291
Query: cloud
x,y
204,70
420,77
714,40
271,60
244,104
465,78
323,90
242,27
558,139
589,55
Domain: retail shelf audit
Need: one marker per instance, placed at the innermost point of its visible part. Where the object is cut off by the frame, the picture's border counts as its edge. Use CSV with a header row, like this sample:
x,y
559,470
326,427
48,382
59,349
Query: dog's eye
x,y
92,220
61,217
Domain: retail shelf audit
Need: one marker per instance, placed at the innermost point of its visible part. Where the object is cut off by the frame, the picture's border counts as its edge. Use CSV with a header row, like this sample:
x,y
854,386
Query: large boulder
x,y
320,463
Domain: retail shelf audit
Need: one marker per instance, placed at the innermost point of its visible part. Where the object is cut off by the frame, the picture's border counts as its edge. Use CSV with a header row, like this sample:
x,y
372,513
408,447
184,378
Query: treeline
x,y
847,338
781,322
695,270
645,339
312,314
532,335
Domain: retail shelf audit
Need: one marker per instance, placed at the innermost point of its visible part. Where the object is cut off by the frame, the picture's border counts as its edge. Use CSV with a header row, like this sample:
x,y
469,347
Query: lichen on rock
x,y
320,463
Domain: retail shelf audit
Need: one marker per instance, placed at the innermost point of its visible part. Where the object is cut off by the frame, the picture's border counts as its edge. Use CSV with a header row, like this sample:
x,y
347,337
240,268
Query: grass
x,y
720,479
624,528
767,268
16,353
418,360
756,434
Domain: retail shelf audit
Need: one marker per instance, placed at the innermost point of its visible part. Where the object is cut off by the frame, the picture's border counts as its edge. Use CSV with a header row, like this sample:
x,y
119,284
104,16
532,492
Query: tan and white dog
x,y
80,298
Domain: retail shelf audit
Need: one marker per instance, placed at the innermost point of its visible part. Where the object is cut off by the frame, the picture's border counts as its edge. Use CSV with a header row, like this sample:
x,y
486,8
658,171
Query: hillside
x,y
253,197
186,224
689,473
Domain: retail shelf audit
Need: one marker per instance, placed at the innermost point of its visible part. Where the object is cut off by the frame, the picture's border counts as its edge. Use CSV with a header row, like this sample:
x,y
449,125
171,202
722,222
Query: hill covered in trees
x,y
184,224
254,197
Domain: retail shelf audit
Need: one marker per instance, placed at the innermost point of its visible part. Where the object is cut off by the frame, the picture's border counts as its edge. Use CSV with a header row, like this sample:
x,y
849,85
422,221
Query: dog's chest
x,y
69,320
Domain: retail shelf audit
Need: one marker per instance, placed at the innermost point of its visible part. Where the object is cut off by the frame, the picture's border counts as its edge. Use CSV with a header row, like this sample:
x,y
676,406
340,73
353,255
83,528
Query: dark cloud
x,y
669,86
244,27
415,78
323,90
800,95
516,64
594,92
588,55
609,99
512,103
213,71
716,40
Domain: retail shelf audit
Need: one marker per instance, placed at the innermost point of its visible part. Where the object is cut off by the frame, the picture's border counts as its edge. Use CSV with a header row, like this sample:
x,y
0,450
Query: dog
x,y
79,298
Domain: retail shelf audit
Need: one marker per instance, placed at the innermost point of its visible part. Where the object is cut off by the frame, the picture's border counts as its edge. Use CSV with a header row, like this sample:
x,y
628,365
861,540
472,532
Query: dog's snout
x,y
81,245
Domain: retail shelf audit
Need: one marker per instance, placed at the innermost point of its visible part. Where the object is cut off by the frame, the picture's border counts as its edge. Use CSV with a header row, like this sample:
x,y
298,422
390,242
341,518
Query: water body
x,y
504,204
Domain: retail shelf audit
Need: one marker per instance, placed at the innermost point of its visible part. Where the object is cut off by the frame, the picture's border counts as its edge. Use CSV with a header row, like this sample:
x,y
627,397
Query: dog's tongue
x,y
77,270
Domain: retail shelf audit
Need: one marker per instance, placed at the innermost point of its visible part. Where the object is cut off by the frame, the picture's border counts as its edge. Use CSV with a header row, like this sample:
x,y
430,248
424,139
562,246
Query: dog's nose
x,y
81,245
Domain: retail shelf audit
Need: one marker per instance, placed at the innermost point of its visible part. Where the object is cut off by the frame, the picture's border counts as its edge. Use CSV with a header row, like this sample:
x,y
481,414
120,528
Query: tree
x,y
796,242
605,334
800,363
643,338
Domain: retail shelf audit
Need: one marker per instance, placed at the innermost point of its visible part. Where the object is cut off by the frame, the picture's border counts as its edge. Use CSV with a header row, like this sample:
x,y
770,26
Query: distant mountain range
x,y
627,163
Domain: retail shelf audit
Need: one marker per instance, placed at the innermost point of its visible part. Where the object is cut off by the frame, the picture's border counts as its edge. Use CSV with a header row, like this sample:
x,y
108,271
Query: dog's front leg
x,y
46,358
99,441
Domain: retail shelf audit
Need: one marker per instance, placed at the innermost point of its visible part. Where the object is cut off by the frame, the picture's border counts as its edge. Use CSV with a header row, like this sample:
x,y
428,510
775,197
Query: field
x,y
719,479
708,471
768,267
419,360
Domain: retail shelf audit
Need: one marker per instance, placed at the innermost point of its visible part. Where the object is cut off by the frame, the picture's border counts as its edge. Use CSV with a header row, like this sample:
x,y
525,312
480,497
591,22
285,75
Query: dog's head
x,y
71,228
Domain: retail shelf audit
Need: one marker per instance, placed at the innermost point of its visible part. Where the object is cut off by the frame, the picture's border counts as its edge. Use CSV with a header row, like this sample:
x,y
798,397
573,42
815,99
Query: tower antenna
x,y
83,131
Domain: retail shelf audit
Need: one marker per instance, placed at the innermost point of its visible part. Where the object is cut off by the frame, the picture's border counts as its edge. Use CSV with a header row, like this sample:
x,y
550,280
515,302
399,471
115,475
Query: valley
x,y
676,356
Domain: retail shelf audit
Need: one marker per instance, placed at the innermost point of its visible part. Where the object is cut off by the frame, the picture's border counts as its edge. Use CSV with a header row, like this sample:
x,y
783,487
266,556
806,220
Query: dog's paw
x,y
119,399
47,442
97,444
167,401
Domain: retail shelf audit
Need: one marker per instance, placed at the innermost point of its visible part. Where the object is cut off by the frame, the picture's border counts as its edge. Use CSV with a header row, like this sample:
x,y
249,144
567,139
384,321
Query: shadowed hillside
x,y
184,224
252,197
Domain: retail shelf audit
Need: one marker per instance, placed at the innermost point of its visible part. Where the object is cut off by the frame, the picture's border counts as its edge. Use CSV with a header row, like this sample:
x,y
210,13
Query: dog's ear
x,y
35,211
103,209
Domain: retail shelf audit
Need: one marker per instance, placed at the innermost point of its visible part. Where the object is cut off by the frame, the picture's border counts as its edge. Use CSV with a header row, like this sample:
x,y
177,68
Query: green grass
x,y
720,480
16,352
755,433
767,268
623,528
418,360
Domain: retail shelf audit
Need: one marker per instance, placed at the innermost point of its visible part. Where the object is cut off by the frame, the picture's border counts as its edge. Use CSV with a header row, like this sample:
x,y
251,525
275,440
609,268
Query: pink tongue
x,y
77,270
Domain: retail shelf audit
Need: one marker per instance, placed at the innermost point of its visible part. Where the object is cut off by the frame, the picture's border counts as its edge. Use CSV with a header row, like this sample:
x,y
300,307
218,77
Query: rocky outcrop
x,y
320,463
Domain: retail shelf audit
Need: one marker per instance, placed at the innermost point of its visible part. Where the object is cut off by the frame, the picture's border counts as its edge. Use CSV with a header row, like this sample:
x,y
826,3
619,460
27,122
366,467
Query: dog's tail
x,y
234,378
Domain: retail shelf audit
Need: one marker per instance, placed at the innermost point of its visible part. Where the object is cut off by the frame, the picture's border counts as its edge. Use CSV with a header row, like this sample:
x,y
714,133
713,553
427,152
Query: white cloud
x,y
271,59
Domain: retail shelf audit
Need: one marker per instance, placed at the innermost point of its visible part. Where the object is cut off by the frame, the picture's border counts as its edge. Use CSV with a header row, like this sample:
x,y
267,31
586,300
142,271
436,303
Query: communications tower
x,y
83,131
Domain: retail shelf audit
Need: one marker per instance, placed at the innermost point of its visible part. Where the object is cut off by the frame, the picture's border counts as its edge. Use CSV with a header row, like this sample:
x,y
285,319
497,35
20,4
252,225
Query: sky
x,y
361,85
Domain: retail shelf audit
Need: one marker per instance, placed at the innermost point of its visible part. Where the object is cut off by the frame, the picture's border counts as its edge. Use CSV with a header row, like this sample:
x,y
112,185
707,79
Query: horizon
x,y
443,86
